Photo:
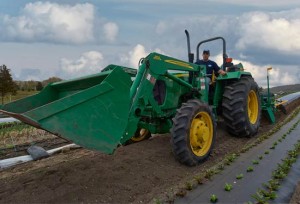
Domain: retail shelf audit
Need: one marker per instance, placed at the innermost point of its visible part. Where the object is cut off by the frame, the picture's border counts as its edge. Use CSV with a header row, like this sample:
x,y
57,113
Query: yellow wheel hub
x,y
140,136
252,107
201,134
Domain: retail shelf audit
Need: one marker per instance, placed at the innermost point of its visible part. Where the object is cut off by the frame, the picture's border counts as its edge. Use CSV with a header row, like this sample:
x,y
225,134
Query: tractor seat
x,y
233,68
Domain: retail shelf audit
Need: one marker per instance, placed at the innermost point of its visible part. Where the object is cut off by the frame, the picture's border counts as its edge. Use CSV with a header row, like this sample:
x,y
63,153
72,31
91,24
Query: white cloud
x,y
161,27
45,21
88,63
59,23
111,31
259,3
136,54
279,75
273,31
277,31
133,57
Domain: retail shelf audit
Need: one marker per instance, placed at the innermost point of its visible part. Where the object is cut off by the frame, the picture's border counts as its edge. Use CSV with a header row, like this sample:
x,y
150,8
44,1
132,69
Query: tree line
x,y
9,86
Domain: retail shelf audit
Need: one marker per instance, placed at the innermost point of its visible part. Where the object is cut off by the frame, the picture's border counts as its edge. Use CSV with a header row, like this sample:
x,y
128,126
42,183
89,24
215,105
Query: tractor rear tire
x,y
241,107
193,133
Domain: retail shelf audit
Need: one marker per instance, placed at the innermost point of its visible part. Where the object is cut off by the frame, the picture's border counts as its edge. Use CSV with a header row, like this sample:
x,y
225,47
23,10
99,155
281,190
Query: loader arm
x,y
157,67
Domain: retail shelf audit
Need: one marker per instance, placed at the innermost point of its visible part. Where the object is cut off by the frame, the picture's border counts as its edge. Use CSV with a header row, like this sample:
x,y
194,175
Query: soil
x,y
138,173
296,196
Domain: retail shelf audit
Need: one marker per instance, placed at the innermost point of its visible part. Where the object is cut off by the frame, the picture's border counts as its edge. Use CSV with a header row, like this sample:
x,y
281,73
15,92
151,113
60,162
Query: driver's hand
x,y
222,72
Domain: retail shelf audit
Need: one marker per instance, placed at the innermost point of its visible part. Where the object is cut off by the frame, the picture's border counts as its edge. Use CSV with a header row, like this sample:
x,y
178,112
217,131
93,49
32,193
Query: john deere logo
x,y
179,63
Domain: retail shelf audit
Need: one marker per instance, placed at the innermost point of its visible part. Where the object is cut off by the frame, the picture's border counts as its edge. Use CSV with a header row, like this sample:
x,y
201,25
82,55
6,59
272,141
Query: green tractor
x,y
121,105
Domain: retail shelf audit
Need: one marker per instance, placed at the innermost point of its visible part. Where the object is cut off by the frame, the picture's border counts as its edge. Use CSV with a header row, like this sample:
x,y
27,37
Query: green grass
x,y
19,95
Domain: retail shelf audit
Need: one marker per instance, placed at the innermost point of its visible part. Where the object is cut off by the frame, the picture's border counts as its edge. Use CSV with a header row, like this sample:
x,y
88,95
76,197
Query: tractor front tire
x,y
193,133
140,135
241,107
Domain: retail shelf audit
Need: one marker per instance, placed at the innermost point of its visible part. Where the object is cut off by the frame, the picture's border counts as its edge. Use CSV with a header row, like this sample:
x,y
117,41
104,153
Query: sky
x,y
73,38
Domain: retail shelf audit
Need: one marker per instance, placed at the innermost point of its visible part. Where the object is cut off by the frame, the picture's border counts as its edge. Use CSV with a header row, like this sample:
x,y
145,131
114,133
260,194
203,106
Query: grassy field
x,y
19,95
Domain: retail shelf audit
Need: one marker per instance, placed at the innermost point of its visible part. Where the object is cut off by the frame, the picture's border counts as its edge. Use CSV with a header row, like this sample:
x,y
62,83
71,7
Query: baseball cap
x,y
206,52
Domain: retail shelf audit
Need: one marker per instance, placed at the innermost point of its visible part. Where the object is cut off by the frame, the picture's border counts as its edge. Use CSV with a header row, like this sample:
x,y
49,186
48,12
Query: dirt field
x,y
137,173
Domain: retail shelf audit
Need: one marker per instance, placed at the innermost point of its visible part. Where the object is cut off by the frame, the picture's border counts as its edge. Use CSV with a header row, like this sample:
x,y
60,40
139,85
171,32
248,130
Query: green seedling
x,y
240,176
293,153
278,174
260,157
255,162
275,143
267,152
213,198
250,169
273,147
273,185
227,187
269,195
280,140
289,162
259,198
285,166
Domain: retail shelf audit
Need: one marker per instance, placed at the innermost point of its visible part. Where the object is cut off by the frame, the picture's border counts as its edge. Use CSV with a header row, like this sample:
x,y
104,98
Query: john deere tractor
x,y
165,95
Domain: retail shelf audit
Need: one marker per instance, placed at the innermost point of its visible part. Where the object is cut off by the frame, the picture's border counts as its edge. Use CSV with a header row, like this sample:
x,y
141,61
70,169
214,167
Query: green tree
x,y
7,85
39,86
51,80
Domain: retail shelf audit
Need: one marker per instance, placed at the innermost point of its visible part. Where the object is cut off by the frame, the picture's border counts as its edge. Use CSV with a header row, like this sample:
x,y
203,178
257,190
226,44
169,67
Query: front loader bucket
x,y
91,111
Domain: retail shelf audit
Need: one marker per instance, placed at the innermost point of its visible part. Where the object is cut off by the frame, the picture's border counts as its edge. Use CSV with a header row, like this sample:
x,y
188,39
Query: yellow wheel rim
x,y
201,134
141,135
252,107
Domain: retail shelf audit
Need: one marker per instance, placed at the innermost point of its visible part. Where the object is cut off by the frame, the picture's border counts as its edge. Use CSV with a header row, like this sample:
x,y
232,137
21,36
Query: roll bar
x,y
191,55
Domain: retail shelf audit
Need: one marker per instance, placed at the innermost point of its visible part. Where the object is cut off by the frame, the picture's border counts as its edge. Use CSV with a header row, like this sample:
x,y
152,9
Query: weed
x,y
255,162
221,167
188,186
181,193
199,179
209,173
229,159
244,150
157,201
